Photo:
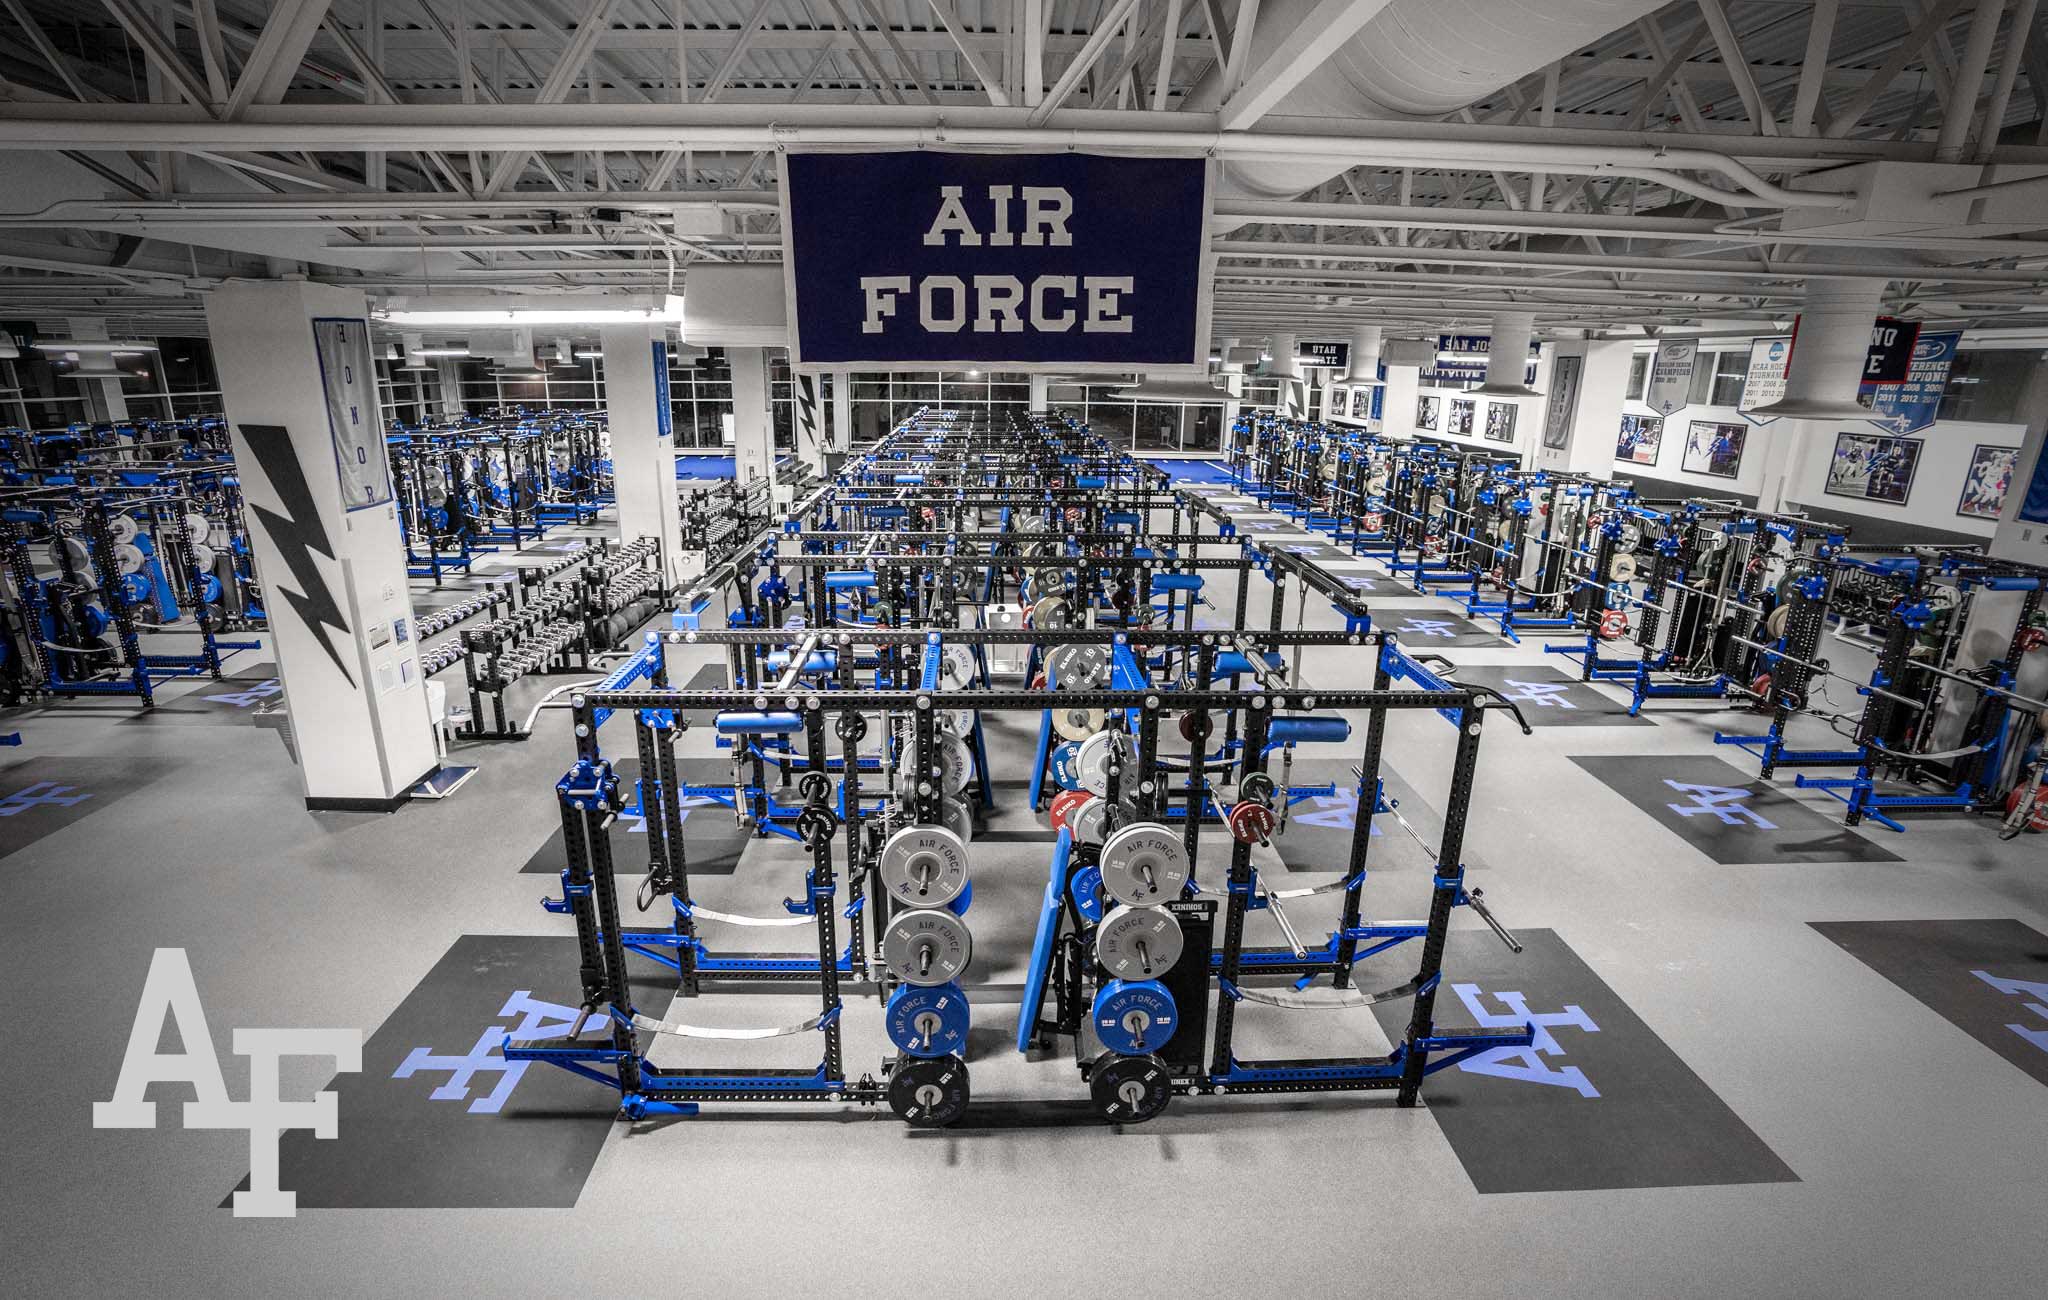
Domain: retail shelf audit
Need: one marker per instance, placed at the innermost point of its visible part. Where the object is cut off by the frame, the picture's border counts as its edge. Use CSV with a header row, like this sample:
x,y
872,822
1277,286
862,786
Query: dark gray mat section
x,y
39,796
712,844
707,677
1598,1101
1429,629
1987,978
236,700
1730,815
1549,698
1317,835
438,1118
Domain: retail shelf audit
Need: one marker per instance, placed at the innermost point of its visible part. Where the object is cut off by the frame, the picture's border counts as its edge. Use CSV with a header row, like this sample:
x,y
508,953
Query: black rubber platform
x,y
1987,978
1728,814
238,699
1549,698
41,795
711,842
1430,629
438,1119
1598,1101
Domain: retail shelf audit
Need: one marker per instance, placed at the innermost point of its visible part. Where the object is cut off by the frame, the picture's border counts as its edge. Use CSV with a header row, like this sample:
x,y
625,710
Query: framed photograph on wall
x,y
1428,410
1462,411
1642,436
1361,403
1985,486
1873,467
1714,449
1500,421
1563,402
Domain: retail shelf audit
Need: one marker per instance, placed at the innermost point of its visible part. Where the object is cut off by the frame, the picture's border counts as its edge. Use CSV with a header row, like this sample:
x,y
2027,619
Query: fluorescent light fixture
x,y
90,345
533,316
442,352
397,369
590,356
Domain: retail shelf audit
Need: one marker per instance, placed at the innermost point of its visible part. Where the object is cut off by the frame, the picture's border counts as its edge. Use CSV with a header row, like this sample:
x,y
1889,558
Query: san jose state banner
x,y
1068,261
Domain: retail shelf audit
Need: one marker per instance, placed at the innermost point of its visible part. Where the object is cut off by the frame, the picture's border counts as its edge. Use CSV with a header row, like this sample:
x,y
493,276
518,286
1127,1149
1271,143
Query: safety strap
x,y
729,918
653,1026
1324,999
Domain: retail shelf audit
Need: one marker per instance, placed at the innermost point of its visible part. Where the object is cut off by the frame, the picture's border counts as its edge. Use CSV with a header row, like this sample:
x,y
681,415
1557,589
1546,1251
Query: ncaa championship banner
x,y
1027,261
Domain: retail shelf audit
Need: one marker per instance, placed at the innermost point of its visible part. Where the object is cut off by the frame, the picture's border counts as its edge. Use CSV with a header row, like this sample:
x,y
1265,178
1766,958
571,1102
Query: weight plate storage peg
x,y
928,946
1133,1017
1129,1089
924,866
1138,943
929,1093
929,1021
1144,864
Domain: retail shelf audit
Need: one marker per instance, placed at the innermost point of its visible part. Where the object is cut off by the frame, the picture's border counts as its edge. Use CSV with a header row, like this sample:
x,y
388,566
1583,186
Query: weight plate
x,y
1063,805
1437,504
1129,1089
929,1093
956,761
1077,724
1092,763
1137,943
198,527
1624,568
927,946
1086,888
959,722
128,558
1090,822
933,1021
958,818
1133,1017
1775,621
1051,614
1631,537
956,665
203,557
76,551
1078,667
122,528
1144,864
1064,770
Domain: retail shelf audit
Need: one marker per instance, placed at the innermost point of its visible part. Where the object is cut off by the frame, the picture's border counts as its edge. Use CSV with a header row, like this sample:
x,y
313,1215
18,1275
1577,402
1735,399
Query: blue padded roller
x,y
1176,582
741,723
1231,662
848,579
1308,730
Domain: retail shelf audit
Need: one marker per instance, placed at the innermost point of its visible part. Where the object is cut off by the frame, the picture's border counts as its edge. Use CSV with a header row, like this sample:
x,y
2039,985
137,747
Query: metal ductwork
x,y
1415,59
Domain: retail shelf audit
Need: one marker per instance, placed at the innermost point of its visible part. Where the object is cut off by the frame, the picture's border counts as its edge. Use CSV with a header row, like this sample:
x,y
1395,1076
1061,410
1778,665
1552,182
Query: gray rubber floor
x,y
1920,1156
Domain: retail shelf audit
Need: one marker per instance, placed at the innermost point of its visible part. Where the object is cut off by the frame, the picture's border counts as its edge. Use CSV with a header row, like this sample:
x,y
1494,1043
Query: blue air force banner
x,y
1066,261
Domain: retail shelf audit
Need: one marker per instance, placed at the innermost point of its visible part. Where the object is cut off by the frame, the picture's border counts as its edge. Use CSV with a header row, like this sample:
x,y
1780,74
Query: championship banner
x,y
1769,360
1671,375
1910,406
1030,261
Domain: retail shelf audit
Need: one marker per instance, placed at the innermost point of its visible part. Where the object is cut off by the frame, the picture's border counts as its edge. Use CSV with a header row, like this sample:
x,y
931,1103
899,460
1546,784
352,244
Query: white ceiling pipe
x,y
1650,163
1414,59
1507,355
1828,351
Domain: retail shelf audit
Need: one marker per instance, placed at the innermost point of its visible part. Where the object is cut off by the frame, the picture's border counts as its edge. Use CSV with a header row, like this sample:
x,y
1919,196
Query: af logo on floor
x,y
1597,1101
1730,816
44,795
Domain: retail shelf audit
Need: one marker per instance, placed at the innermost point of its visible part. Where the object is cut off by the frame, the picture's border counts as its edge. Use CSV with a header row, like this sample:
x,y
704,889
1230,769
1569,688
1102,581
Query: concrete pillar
x,y
1581,411
753,430
1828,352
1397,403
1040,399
299,387
640,421
842,411
1286,365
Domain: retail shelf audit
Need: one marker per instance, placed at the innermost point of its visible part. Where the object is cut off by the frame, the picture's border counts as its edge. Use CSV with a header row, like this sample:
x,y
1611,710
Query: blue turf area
x,y
704,467
1190,471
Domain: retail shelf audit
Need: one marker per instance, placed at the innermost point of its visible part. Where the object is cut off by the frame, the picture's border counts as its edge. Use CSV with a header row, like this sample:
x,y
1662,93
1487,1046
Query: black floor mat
x,y
438,1119
712,844
41,795
1987,978
1730,815
1598,1101
1430,629
1549,698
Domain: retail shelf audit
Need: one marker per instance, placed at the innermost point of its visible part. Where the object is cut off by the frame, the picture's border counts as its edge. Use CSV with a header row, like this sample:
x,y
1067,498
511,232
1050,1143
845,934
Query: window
x,y
1990,387
1702,387
1731,372
1638,376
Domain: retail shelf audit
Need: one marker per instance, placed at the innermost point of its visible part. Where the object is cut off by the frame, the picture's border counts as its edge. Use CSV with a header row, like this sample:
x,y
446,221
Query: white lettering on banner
x,y
930,320
881,291
1102,304
1046,209
998,295
953,220
169,992
1040,320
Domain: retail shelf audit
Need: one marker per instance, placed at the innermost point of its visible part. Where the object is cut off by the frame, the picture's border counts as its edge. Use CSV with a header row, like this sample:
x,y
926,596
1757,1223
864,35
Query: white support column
x,y
842,411
1590,411
1233,379
1828,352
639,419
98,375
1040,401
1397,403
1365,355
1507,356
300,391
1286,366
448,374
753,431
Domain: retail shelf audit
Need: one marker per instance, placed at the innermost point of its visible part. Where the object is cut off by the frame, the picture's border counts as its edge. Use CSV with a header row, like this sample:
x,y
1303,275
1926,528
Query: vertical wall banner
x,y
2034,506
1891,354
353,421
1563,402
1910,405
1671,375
1769,360
1068,261
664,413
